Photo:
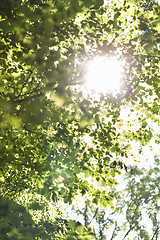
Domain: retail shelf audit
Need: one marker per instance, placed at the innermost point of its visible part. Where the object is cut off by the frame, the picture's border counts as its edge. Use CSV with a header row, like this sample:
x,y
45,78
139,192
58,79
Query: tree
x,y
136,213
44,120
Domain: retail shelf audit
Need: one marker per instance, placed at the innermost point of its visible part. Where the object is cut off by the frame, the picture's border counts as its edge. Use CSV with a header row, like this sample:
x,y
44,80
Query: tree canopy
x,y
45,117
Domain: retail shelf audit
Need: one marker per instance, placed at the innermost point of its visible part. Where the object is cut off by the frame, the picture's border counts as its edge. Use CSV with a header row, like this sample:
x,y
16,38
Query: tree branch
x,y
85,214
31,72
28,97
27,94
113,234
23,164
155,233
130,229
94,215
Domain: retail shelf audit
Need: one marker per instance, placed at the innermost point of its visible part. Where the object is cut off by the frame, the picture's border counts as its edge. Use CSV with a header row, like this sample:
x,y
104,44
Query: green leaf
x,y
113,173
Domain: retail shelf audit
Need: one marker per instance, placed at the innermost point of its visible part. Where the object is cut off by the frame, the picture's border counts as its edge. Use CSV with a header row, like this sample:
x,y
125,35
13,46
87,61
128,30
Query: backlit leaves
x,y
55,141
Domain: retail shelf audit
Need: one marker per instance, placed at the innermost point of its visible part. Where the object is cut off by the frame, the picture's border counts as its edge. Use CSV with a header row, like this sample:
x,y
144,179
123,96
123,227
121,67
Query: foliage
x,y
44,48
17,223
136,215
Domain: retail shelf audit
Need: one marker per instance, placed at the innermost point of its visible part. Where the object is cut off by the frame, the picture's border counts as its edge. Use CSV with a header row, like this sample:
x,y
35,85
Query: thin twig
x,y
155,233
131,227
25,82
113,234
22,164
94,215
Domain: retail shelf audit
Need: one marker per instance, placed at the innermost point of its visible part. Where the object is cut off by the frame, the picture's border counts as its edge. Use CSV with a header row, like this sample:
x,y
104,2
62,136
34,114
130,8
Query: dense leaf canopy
x,y
45,117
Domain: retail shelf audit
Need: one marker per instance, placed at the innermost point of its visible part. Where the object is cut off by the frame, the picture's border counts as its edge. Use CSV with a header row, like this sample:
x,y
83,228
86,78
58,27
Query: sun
x,y
104,74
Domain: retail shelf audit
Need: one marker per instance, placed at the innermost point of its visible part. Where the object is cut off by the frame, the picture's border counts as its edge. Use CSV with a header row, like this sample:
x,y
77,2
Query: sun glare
x,y
104,74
